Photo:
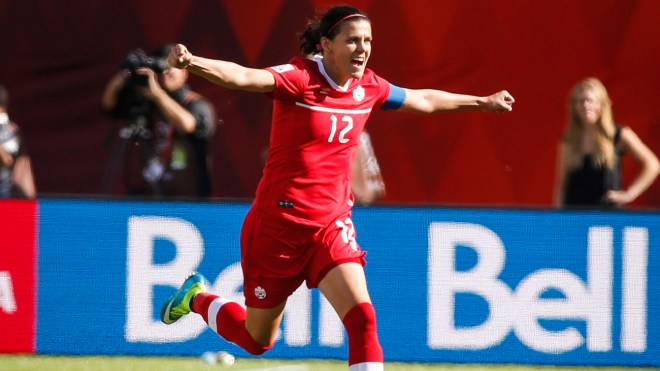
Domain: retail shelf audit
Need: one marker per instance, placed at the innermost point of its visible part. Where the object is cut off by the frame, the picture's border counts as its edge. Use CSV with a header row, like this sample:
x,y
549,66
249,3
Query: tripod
x,y
136,132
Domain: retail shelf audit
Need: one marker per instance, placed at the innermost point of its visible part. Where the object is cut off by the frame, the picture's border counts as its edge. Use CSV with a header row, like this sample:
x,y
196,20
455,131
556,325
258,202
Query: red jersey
x,y
314,136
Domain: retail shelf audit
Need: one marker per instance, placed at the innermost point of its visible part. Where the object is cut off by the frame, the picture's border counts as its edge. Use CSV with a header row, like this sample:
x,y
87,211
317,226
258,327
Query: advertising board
x,y
17,275
449,285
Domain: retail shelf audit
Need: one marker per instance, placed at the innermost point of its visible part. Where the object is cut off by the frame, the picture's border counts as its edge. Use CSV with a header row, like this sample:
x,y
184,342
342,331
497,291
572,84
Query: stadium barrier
x,y
449,284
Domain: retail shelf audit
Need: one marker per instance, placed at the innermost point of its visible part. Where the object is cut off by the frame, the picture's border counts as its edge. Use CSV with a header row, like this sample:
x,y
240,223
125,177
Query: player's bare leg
x,y
345,286
262,324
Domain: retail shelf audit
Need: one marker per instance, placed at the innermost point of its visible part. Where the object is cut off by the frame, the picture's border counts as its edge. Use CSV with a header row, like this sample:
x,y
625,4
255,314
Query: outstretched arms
x,y
235,76
432,101
223,73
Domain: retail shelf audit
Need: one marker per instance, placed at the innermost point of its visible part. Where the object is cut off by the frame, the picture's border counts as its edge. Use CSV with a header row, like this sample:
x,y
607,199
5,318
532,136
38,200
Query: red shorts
x,y
277,255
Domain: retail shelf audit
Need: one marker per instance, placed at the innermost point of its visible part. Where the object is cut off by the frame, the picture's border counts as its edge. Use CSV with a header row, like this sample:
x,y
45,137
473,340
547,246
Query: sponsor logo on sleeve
x,y
283,68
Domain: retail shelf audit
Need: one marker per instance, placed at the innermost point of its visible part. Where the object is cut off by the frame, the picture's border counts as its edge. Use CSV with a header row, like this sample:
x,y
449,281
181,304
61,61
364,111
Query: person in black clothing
x,y
171,125
16,178
589,156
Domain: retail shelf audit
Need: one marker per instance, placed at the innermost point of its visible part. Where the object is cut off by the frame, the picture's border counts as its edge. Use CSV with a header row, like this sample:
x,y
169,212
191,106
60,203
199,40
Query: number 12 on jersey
x,y
342,134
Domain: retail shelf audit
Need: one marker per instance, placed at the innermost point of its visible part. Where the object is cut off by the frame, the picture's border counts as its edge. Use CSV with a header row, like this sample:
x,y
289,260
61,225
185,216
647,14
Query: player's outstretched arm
x,y
227,74
432,101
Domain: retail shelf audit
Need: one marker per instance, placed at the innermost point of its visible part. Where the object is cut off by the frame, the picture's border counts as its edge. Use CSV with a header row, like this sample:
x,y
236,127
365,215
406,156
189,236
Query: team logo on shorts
x,y
358,93
260,292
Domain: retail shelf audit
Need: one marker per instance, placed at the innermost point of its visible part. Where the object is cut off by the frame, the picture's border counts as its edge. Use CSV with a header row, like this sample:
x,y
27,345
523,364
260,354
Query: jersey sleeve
x,y
395,98
290,79
391,96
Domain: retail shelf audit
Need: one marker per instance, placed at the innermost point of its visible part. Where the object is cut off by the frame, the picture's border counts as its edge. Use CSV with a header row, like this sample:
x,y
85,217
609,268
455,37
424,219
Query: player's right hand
x,y
179,57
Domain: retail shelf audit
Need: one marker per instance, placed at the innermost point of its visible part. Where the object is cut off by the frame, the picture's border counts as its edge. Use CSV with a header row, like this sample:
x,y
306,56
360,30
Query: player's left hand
x,y
501,101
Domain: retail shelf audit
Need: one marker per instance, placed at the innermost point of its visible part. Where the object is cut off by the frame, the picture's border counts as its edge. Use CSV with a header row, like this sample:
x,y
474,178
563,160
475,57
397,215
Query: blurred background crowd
x,y
60,59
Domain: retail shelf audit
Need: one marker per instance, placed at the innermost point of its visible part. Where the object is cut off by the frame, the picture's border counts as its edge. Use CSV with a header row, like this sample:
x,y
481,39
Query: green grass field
x,y
60,363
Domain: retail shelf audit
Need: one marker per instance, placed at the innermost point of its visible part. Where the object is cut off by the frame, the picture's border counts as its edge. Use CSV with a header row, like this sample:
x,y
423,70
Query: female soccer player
x,y
299,226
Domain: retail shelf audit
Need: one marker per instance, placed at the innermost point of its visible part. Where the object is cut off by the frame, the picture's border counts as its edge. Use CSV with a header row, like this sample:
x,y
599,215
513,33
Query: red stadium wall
x,y
56,61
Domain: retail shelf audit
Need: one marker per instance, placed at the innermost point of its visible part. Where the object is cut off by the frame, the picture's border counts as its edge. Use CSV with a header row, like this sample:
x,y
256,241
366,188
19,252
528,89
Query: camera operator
x,y
16,178
170,125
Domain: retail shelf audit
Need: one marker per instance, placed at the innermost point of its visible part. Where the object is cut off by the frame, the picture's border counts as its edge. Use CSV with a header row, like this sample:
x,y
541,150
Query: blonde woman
x,y
589,156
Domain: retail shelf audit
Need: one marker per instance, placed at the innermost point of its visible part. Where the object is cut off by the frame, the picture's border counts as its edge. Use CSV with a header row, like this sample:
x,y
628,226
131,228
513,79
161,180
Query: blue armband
x,y
395,99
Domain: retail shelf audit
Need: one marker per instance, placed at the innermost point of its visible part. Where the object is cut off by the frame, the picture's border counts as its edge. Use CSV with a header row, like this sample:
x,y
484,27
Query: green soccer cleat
x,y
178,305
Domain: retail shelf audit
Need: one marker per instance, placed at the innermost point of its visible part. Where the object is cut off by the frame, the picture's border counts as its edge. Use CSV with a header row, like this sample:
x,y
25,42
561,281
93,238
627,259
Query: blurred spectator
x,y
16,178
589,156
170,125
367,183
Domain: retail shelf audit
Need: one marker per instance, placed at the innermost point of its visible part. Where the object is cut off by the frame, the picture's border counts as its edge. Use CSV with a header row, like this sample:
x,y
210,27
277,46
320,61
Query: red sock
x,y
363,345
227,319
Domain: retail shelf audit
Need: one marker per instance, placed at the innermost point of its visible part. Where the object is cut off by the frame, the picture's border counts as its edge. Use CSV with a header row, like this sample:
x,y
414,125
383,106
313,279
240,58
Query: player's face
x,y
588,107
350,49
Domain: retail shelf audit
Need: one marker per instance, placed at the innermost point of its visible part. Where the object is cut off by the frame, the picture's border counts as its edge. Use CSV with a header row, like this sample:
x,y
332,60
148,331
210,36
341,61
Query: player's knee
x,y
258,349
361,319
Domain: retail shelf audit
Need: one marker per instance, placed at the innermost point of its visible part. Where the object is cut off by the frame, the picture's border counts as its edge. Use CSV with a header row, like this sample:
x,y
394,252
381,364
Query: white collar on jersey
x,y
319,60
4,118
